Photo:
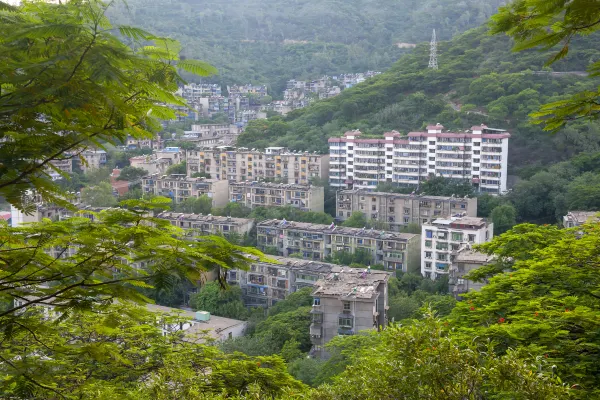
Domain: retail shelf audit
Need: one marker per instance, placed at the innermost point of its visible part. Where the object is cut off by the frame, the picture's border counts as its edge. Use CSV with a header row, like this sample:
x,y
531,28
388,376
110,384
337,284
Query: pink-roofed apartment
x,y
479,155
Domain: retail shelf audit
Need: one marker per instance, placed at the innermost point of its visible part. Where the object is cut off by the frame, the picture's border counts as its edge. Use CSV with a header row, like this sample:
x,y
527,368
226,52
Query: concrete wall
x,y
220,193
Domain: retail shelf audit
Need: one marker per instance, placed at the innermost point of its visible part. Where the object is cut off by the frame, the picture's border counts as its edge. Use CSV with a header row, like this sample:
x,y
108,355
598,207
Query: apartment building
x,y
443,236
346,302
395,251
267,283
265,194
399,210
241,164
466,260
65,165
213,130
180,187
479,155
578,218
94,159
209,224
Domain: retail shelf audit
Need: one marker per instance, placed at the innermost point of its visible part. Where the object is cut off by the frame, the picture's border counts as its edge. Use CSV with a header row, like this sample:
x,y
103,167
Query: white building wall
x,y
434,261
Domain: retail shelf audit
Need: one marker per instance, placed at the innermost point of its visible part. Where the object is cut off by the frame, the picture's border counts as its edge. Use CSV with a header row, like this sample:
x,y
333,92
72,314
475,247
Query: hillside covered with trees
x,y
479,80
269,42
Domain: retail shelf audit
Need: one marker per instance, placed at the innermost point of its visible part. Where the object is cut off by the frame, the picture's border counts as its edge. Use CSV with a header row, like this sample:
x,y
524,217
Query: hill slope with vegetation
x,y
268,41
479,80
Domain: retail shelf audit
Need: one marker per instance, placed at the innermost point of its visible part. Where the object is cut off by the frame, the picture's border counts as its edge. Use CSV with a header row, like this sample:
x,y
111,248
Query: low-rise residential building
x,y
443,236
399,210
209,224
94,159
395,251
150,163
265,194
201,326
267,283
346,302
180,187
466,260
578,218
479,156
154,143
64,164
237,165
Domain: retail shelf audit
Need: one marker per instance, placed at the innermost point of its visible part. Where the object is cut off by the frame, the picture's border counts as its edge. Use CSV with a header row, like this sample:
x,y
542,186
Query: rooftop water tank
x,y
202,315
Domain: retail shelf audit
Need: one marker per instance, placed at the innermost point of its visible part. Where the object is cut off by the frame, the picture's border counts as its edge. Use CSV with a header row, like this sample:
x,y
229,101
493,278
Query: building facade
x,y
479,155
465,261
346,302
267,283
209,224
442,237
180,187
264,194
578,218
399,210
237,165
94,159
395,251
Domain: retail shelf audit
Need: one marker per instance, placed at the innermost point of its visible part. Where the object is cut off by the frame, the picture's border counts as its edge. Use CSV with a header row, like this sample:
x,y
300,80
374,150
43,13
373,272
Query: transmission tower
x,y
433,64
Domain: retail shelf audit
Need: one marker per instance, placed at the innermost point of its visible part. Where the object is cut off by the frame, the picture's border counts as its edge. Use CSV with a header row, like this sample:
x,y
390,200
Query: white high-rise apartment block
x,y
479,155
443,236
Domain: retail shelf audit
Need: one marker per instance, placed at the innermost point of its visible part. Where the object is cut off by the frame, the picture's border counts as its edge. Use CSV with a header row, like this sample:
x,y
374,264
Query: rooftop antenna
x,y
433,62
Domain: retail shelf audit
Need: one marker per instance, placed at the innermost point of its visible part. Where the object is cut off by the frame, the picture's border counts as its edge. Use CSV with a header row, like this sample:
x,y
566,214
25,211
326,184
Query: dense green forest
x,y
480,80
268,41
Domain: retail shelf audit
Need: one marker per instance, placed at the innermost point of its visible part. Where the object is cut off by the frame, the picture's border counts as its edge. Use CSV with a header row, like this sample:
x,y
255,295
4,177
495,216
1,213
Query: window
x,y
427,265
427,254
428,234
317,318
346,305
428,243
345,322
316,301
471,238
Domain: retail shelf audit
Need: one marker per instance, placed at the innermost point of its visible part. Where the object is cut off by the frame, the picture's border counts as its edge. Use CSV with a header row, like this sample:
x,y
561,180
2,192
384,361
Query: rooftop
x,y
351,283
365,192
298,264
581,217
181,177
473,222
338,230
472,256
215,325
272,185
215,219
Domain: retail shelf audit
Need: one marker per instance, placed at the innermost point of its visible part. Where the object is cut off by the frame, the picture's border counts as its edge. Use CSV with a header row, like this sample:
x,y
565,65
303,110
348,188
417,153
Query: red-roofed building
x,y
121,187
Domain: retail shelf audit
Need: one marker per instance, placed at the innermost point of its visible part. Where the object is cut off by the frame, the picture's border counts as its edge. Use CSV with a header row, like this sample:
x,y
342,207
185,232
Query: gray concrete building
x,y
464,261
578,218
180,187
346,302
209,224
267,283
395,251
264,194
398,210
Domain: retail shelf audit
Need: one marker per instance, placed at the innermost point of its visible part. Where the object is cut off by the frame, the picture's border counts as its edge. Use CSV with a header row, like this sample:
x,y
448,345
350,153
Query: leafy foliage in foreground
x,y
122,351
78,86
423,360
543,297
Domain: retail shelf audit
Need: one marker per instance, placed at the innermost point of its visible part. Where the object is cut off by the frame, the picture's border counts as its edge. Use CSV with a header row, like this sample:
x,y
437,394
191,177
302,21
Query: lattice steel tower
x,y
433,64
